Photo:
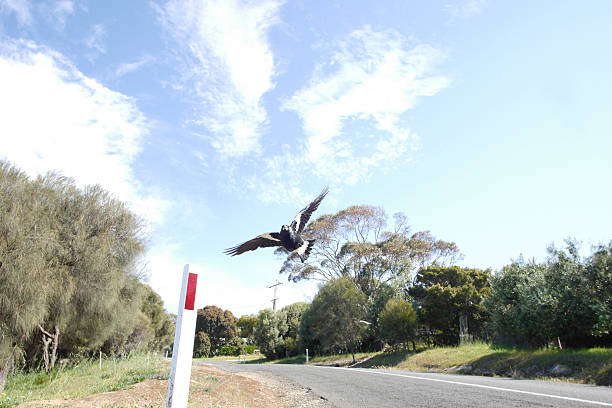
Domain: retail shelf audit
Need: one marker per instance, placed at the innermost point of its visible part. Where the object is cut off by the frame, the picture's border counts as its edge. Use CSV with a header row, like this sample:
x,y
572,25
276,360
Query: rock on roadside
x,y
560,370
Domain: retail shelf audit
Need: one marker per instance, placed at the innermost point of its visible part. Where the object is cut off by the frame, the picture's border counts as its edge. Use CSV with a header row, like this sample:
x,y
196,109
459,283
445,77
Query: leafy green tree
x,y
308,338
599,275
246,325
160,321
293,316
373,339
69,268
26,283
398,322
443,294
201,345
518,304
569,291
564,301
335,315
219,325
277,334
269,331
100,243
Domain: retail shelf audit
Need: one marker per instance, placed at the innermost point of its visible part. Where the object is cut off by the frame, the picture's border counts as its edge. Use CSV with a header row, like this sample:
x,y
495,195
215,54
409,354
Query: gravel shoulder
x,y
211,386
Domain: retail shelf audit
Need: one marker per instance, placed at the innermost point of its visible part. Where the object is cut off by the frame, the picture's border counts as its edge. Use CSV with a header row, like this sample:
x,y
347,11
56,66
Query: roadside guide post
x,y
182,351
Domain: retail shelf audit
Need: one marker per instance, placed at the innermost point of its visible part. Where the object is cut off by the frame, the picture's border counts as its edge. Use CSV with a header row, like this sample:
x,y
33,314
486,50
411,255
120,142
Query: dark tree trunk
x,y
55,344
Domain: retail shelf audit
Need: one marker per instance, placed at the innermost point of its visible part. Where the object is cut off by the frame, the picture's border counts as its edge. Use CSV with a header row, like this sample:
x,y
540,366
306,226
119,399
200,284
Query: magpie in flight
x,y
289,236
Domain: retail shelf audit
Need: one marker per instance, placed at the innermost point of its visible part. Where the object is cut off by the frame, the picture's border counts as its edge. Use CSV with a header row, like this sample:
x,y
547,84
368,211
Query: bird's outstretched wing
x,y
300,220
264,240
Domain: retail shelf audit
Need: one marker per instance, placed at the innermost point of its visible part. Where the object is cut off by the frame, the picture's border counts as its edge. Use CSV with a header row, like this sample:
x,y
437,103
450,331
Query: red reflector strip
x,y
192,281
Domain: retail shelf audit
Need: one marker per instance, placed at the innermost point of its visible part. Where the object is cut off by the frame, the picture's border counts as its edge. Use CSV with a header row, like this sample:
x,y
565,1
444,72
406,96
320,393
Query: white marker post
x,y
182,352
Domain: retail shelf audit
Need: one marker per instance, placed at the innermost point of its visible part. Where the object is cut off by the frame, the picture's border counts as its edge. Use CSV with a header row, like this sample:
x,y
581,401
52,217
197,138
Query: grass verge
x,y
83,379
590,366
334,359
247,357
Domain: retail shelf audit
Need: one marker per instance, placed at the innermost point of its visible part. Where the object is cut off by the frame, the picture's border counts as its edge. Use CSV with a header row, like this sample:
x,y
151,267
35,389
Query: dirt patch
x,y
210,387
291,394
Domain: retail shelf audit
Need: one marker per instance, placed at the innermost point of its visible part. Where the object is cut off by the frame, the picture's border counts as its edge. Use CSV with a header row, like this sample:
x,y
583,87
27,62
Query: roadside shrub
x,y
250,348
227,350
398,322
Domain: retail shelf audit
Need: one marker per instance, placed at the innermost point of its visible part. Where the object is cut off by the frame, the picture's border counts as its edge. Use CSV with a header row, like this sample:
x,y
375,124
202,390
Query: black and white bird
x,y
289,236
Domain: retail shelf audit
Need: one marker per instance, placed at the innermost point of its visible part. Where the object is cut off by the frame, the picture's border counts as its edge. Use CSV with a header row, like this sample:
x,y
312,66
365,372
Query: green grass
x,y
83,379
592,366
588,365
343,359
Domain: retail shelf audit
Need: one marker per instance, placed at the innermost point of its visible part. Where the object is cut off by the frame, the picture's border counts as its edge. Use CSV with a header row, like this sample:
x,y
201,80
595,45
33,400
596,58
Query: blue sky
x,y
488,123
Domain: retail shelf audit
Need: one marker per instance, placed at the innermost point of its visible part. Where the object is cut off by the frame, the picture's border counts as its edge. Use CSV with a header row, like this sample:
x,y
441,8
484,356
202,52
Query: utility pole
x,y
275,298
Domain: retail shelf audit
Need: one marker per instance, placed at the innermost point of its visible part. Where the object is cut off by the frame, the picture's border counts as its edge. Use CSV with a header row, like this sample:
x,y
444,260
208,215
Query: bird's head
x,y
284,228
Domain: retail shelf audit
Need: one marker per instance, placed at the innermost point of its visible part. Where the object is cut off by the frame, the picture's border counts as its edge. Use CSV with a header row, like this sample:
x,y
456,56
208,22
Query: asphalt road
x,y
355,387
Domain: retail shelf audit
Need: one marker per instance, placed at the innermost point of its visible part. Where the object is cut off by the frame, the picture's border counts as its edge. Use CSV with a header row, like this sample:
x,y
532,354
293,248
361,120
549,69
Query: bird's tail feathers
x,y
304,255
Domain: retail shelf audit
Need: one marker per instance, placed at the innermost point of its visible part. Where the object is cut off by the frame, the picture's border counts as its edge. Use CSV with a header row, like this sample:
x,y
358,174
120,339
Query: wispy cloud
x,y
95,41
229,64
129,67
59,11
21,8
352,110
55,118
464,8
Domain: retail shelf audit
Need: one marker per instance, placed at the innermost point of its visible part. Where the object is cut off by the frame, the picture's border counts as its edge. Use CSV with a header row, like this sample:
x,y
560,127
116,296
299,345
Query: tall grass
x,y
85,378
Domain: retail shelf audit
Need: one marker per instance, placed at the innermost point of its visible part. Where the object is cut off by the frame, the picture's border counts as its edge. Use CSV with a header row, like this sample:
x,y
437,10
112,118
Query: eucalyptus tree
x,y
355,243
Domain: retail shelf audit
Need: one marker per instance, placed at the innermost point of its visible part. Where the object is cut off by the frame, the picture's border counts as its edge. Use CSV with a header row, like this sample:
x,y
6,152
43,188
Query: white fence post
x,y
306,356
182,351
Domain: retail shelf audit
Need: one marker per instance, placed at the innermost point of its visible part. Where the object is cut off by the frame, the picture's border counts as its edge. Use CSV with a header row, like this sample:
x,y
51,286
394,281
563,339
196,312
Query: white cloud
x,y
129,67
465,8
352,112
219,288
21,8
229,60
55,118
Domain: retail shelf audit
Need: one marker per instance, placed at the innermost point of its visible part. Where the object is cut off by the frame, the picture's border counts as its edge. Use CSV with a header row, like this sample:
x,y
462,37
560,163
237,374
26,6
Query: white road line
x,y
369,371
